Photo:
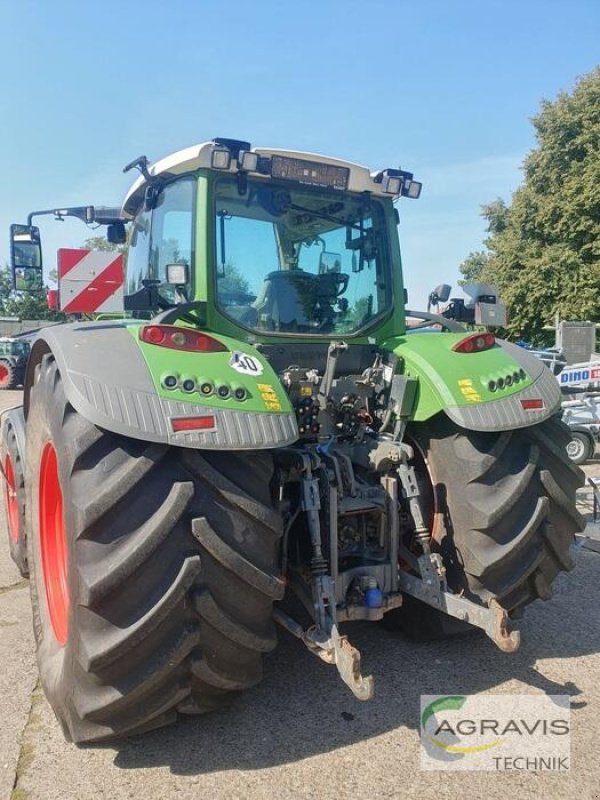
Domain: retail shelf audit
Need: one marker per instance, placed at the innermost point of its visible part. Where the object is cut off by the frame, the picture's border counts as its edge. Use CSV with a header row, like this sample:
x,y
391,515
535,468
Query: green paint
x,y
447,378
264,391
201,242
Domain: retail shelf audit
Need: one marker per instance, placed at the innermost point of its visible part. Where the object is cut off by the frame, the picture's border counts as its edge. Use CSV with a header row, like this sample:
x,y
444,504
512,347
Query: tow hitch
x,y
336,650
431,588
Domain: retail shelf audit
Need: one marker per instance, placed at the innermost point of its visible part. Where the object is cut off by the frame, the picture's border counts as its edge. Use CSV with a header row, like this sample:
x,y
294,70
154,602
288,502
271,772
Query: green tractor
x,y
14,352
259,439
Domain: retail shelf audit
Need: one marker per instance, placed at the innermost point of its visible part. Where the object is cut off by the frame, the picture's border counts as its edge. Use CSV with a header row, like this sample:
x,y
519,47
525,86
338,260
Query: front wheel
x,y
501,509
153,571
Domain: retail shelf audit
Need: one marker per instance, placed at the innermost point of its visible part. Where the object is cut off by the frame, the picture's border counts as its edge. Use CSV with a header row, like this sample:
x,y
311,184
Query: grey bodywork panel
x,y
508,413
108,382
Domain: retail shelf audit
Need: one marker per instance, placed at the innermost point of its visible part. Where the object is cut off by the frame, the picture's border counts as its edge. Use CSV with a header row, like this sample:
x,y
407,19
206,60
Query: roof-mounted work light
x,y
221,158
412,189
398,182
248,161
391,184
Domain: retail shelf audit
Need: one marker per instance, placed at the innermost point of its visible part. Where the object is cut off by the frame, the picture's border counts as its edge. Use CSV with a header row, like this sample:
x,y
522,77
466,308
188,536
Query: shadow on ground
x,y
301,709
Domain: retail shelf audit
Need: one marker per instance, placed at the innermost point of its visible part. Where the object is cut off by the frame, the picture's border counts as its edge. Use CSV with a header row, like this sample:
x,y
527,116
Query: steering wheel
x,y
342,279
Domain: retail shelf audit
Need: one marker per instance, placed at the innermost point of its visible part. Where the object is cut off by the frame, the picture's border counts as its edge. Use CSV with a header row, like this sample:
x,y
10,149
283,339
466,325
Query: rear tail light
x,y
180,339
206,423
475,343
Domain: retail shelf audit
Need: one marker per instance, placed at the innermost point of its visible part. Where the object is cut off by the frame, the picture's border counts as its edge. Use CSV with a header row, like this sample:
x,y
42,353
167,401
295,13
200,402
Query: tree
x,y
233,282
544,250
102,243
473,267
496,214
24,305
476,264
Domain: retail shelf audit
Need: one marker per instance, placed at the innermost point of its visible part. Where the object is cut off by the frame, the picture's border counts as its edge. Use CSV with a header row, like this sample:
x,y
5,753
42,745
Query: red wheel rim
x,y
12,505
53,545
4,375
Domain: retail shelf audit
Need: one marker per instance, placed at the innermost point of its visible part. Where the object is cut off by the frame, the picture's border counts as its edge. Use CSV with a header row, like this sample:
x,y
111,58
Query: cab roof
x,y
200,156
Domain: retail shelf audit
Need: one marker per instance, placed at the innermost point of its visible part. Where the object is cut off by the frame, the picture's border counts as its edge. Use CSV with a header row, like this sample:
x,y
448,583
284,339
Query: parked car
x,y
582,415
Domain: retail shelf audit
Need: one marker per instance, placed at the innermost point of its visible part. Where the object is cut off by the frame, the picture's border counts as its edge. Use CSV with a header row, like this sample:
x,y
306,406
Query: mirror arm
x,y
84,213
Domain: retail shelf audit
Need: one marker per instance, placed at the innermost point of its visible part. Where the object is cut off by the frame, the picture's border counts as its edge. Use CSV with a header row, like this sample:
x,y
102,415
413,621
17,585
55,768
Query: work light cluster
x,y
204,386
503,383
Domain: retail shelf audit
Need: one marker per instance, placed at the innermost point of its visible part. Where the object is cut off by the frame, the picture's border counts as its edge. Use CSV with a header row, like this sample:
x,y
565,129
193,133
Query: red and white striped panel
x,y
90,281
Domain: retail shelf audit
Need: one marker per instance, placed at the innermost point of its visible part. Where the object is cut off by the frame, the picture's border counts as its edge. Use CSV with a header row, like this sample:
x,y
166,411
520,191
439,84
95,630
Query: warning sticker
x,y
269,396
468,391
246,364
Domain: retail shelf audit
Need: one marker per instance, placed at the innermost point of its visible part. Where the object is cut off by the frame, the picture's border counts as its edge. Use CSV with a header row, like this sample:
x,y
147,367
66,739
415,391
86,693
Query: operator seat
x,y
286,301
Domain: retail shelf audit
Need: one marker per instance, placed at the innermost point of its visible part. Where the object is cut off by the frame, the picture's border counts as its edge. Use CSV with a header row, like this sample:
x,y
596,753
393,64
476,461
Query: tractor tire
x,y
501,509
8,375
153,571
14,497
580,448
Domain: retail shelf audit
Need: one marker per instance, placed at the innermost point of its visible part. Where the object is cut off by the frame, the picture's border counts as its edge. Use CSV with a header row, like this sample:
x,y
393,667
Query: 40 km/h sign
x,y
90,281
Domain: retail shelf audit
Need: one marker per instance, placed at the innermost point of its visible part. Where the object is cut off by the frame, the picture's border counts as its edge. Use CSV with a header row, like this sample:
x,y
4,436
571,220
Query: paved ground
x,y
300,734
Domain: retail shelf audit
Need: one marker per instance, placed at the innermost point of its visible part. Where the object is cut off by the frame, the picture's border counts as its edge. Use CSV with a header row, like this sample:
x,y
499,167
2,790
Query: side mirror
x,y
329,262
115,233
26,258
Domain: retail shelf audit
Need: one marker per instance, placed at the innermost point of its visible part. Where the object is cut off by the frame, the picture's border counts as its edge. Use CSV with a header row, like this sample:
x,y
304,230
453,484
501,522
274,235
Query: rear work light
x,y
206,423
180,339
475,343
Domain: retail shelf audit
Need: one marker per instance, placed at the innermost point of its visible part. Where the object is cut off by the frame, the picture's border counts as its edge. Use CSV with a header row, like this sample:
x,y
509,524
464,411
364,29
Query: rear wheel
x,y
14,497
154,571
8,375
502,513
580,448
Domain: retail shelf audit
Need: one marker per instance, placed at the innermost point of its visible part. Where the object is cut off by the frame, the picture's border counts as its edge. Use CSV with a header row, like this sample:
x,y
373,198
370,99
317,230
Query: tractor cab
x,y
267,242
272,242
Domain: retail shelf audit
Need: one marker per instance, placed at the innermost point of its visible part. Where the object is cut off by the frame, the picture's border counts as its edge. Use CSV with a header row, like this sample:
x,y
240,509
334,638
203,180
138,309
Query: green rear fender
x,y
122,384
502,388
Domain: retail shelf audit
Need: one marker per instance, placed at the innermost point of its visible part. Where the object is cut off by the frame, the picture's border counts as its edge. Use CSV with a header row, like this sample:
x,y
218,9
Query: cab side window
x,y
163,236
138,254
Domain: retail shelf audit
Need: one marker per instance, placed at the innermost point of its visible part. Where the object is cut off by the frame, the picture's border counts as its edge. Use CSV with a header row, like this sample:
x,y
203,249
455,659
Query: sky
x,y
444,89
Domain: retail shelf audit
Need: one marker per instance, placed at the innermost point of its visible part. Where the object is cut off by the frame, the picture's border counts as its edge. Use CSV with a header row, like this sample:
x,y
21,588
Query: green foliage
x,y
102,243
544,250
473,267
23,305
496,214
233,281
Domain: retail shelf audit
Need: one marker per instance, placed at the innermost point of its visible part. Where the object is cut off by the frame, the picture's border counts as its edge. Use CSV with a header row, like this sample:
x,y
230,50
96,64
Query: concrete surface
x,y
300,734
